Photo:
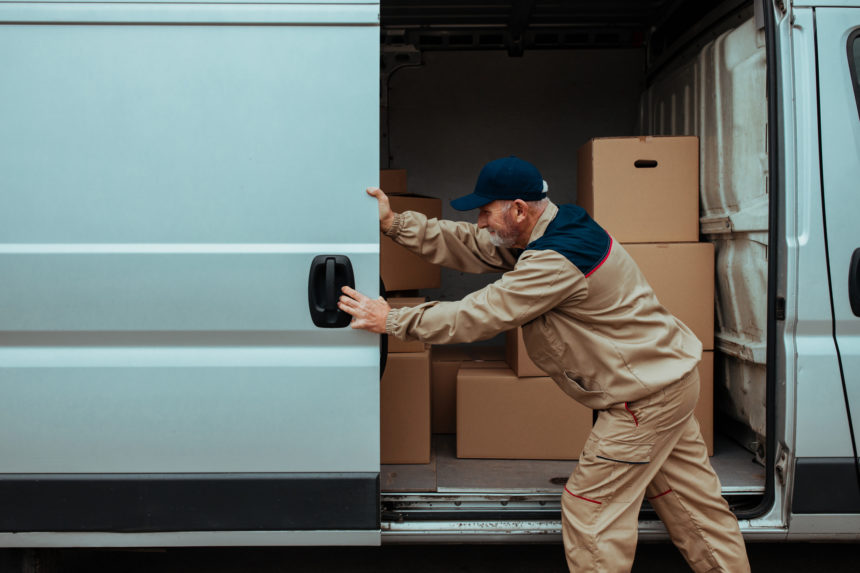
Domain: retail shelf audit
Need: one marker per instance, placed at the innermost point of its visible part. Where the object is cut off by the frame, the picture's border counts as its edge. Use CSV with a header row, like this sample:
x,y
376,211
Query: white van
x,y
172,368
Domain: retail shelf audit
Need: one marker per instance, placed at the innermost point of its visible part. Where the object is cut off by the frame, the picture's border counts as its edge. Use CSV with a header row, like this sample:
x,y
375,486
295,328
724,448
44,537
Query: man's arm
x,y
457,245
540,282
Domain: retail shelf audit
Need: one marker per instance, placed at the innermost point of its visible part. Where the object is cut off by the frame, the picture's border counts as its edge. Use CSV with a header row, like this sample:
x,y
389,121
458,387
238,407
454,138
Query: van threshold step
x,y
504,506
448,475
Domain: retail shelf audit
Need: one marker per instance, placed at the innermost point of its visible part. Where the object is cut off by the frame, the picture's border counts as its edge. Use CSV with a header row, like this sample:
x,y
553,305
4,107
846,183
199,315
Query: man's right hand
x,y
386,215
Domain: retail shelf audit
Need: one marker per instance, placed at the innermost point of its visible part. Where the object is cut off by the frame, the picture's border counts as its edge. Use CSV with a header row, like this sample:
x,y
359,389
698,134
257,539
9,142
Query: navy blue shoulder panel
x,y
576,236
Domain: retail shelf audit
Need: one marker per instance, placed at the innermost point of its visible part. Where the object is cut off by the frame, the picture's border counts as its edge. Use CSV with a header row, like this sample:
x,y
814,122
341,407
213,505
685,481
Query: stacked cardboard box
x,y
393,181
405,409
578,419
523,367
445,363
517,411
395,344
645,192
503,416
401,269
516,355
642,189
404,398
682,276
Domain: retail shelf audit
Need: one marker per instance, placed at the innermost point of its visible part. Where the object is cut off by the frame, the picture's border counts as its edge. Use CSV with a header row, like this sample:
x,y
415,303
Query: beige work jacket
x,y
589,318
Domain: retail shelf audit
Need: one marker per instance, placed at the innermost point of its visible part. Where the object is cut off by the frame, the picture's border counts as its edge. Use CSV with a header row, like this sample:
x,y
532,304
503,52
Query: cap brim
x,y
469,202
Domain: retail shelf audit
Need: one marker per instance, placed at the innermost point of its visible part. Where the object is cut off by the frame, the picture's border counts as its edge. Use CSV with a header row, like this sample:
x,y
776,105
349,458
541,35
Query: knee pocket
x,y
611,470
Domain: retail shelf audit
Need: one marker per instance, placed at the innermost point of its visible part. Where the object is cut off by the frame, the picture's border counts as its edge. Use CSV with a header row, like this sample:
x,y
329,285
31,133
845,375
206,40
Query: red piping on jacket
x,y
603,260
660,494
635,419
580,497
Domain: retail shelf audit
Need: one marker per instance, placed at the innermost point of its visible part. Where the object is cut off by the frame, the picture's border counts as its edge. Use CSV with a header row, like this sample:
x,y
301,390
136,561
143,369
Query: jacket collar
x,y
543,222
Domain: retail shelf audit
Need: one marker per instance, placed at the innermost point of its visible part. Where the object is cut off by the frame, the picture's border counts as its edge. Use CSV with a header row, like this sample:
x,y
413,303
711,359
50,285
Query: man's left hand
x,y
367,313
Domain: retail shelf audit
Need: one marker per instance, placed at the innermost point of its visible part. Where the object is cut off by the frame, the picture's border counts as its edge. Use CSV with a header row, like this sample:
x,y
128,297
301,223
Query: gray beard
x,y
502,241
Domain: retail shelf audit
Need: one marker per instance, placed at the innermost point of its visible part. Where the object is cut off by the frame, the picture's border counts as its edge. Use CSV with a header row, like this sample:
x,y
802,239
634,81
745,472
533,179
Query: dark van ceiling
x,y
520,25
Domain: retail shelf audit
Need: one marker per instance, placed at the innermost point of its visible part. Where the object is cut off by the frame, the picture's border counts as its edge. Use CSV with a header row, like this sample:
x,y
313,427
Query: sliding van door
x,y
837,57
169,172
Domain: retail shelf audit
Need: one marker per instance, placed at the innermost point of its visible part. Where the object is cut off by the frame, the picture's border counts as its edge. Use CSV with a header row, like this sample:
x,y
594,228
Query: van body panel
x,y
163,418
165,189
208,502
821,426
186,137
824,3
839,52
824,527
841,494
219,12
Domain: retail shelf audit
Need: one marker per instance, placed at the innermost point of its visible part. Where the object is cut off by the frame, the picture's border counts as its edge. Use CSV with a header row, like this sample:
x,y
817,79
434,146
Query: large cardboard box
x,y
400,269
682,276
394,343
516,355
705,407
445,362
642,189
393,181
405,409
505,417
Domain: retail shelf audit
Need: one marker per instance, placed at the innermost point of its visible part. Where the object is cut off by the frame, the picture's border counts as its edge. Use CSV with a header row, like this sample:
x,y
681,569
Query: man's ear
x,y
521,210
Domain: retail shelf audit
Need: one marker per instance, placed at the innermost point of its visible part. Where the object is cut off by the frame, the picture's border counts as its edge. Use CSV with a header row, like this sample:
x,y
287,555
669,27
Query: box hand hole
x,y
645,163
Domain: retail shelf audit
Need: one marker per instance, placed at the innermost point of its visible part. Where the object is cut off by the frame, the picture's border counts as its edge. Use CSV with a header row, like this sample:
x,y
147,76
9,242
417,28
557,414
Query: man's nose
x,y
482,221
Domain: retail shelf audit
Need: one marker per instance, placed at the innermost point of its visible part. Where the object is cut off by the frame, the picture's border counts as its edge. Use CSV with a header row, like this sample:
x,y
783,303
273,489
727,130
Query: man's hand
x,y
386,215
367,313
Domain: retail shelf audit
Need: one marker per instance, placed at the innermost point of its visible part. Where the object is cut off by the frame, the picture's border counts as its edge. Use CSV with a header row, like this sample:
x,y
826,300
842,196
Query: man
x,y
592,322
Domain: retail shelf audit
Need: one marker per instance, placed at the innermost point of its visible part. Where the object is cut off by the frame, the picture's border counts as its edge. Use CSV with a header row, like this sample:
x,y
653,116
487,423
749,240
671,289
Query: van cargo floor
x,y
445,473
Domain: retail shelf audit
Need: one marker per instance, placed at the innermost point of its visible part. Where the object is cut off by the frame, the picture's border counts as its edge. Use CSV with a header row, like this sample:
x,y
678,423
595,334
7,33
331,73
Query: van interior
x,y
463,83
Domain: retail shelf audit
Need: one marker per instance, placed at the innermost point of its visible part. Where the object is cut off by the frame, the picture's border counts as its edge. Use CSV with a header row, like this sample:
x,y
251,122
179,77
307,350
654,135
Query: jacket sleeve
x,y
540,281
457,245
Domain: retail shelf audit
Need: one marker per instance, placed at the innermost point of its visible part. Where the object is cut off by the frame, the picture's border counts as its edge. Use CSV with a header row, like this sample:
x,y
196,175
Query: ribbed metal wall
x,y
720,97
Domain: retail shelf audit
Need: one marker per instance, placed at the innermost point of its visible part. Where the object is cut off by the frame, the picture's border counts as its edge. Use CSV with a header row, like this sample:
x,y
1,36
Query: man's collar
x,y
543,222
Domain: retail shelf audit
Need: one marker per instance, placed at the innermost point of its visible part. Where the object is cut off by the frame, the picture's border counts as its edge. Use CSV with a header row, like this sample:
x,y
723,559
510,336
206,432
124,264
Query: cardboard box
x,y
705,408
401,269
445,362
505,417
393,181
394,343
516,355
642,189
682,276
405,409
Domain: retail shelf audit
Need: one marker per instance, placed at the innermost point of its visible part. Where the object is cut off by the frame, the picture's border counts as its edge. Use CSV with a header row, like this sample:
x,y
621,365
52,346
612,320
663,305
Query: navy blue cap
x,y
506,178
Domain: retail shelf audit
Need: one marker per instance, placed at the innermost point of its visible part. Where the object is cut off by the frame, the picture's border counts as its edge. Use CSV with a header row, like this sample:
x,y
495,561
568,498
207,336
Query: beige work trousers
x,y
652,447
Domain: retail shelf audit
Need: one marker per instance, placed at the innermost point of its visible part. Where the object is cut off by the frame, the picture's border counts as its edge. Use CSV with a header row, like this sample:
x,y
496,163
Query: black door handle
x,y
854,282
329,273
330,300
